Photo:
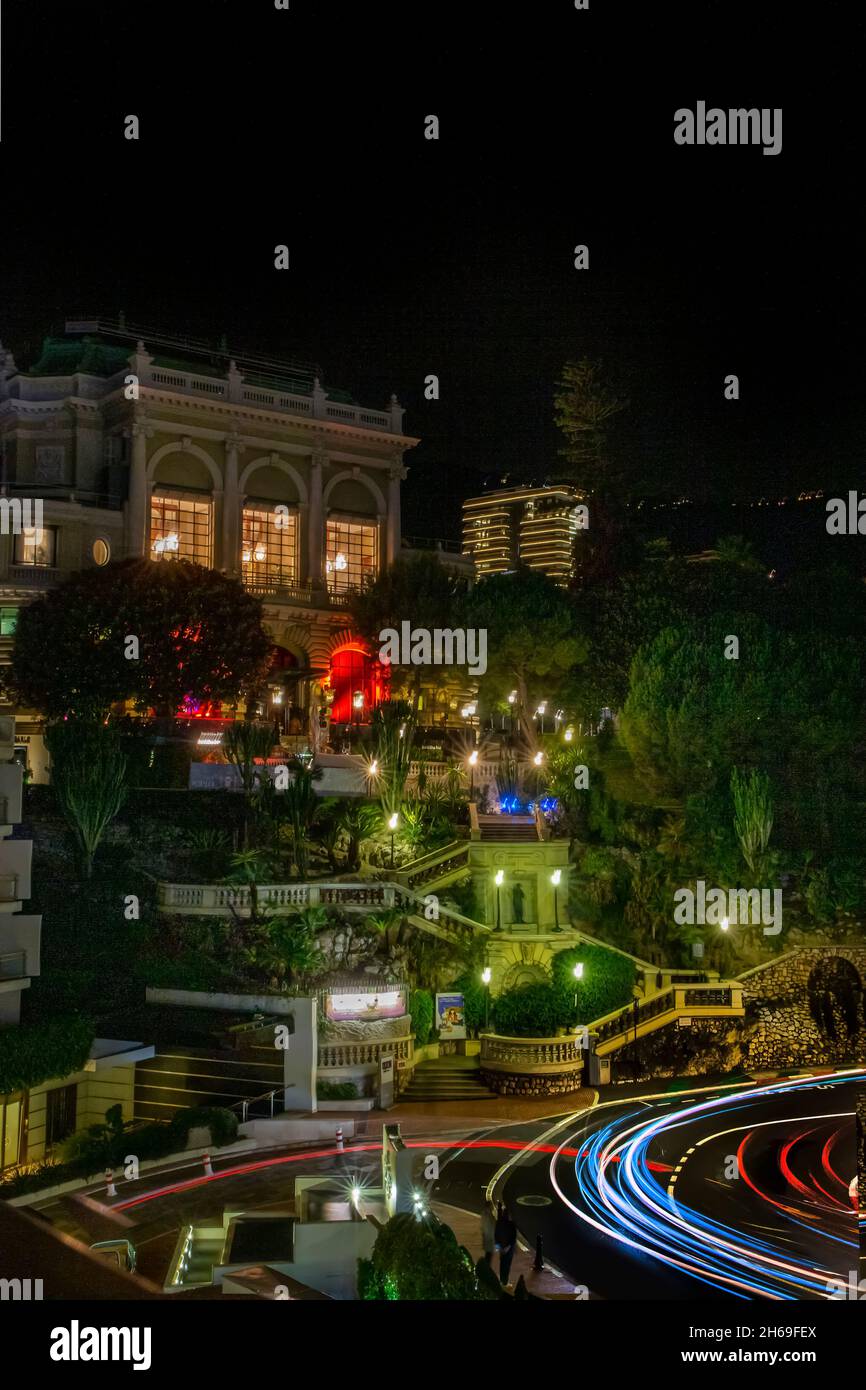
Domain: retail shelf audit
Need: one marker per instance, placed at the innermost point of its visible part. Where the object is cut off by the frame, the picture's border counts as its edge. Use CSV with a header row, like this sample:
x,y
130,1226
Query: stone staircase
x,y
447,1078
508,829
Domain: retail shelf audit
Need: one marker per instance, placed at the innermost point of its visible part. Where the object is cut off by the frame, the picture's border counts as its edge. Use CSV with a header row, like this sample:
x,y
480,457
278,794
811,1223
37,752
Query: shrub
x,y
336,1090
35,1052
421,1011
532,1011
222,1123
418,1261
607,983
474,999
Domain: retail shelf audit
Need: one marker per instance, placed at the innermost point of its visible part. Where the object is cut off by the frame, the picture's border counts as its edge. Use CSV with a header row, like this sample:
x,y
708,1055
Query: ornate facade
x,y
140,444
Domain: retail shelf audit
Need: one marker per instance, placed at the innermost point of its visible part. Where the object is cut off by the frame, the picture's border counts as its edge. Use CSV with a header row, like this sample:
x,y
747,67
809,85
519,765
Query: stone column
x,y
231,521
315,523
138,504
396,474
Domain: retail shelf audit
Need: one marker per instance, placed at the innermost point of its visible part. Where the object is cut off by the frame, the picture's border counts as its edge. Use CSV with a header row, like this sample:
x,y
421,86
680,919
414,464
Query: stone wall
x,y
779,1021
510,1084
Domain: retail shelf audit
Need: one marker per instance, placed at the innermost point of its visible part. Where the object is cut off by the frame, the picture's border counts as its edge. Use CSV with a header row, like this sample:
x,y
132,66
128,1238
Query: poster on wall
x,y
387,1003
450,1016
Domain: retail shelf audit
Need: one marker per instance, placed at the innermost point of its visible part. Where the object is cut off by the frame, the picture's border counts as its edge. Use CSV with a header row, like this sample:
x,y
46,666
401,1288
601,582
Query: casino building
x,y
138,443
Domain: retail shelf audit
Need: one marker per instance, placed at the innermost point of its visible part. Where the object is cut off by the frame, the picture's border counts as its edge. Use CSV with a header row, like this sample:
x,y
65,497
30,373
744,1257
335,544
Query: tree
x,y
158,634
246,745
585,408
607,982
418,1260
753,815
393,736
532,640
419,590
88,773
358,820
298,804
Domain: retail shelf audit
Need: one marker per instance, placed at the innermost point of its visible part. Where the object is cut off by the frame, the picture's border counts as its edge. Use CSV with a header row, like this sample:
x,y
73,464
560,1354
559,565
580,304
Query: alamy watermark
x,y
18,515
422,646
718,907
739,126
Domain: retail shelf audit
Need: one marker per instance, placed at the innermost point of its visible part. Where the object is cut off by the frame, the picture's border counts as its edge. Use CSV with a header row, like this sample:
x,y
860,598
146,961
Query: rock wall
x,y
510,1084
782,1030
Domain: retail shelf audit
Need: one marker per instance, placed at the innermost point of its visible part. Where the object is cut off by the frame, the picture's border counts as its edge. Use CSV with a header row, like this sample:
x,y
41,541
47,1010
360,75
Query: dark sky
x,y
455,257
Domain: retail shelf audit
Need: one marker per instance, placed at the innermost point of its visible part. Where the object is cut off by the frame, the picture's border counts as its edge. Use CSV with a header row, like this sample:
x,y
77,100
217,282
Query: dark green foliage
x,y
474,998
421,1011
200,634
108,1146
418,1261
88,774
336,1090
607,983
532,1011
533,641
34,1052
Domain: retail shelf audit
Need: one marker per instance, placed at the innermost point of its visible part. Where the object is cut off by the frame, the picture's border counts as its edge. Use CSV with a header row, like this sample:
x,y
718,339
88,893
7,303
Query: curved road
x,y
741,1193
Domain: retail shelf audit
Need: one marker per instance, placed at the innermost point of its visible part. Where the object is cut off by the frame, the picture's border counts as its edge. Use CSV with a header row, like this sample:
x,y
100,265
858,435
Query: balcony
x,y
34,576
281,585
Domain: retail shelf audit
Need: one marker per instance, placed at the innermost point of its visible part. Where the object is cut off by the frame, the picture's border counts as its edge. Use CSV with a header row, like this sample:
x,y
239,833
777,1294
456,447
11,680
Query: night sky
x,y
455,257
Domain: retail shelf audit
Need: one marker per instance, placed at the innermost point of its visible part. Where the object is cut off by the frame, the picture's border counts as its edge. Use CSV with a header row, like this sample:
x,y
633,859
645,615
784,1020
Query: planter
x,y
364,1103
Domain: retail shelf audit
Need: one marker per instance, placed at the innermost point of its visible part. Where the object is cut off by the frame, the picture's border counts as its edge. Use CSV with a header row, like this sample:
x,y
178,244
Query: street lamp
x,y
485,980
498,880
556,879
472,760
539,758
392,826
577,972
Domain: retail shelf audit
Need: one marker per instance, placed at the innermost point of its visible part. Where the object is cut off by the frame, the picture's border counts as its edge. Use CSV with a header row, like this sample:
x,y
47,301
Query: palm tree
x,y
300,804
672,844
246,745
393,733
358,820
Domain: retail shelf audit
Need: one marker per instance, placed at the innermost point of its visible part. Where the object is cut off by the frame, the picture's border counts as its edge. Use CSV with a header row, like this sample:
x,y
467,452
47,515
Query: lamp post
x,y
498,880
485,980
392,826
577,972
472,760
556,878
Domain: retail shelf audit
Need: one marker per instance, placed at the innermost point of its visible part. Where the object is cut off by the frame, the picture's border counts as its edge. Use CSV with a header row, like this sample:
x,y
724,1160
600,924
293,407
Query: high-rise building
x,y
533,526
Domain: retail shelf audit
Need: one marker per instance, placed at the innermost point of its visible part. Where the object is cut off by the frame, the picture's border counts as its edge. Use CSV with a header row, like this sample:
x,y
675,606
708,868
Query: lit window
x,y
269,546
36,546
8,621
180,529
101,552
351,554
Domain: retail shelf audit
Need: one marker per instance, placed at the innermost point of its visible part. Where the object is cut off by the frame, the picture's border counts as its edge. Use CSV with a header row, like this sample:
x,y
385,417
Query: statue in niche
x,y
517,901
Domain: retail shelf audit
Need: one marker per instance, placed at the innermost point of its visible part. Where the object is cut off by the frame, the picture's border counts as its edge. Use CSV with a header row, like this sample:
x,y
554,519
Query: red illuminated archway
x,y
352,669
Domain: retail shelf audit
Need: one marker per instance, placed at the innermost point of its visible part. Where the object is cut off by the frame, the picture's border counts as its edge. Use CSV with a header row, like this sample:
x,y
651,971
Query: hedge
x,y
35,1052
532,1011
421,1012
607,983
336,1090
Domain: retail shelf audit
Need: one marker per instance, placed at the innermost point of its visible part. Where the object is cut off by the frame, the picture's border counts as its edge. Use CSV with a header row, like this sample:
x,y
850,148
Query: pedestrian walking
x,y
488,1234
506,1242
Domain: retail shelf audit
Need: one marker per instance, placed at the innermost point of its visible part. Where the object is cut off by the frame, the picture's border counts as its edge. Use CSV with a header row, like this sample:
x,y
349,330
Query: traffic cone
x,y
208,1166
340,1144
110,1189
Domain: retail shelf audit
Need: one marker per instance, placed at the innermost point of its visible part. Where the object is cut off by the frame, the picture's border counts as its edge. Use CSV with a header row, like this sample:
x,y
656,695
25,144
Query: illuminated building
x,y
242,463
533,526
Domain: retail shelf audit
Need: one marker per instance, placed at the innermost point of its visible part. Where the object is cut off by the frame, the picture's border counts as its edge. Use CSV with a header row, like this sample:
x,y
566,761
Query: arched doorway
x,y
358,683
836,997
